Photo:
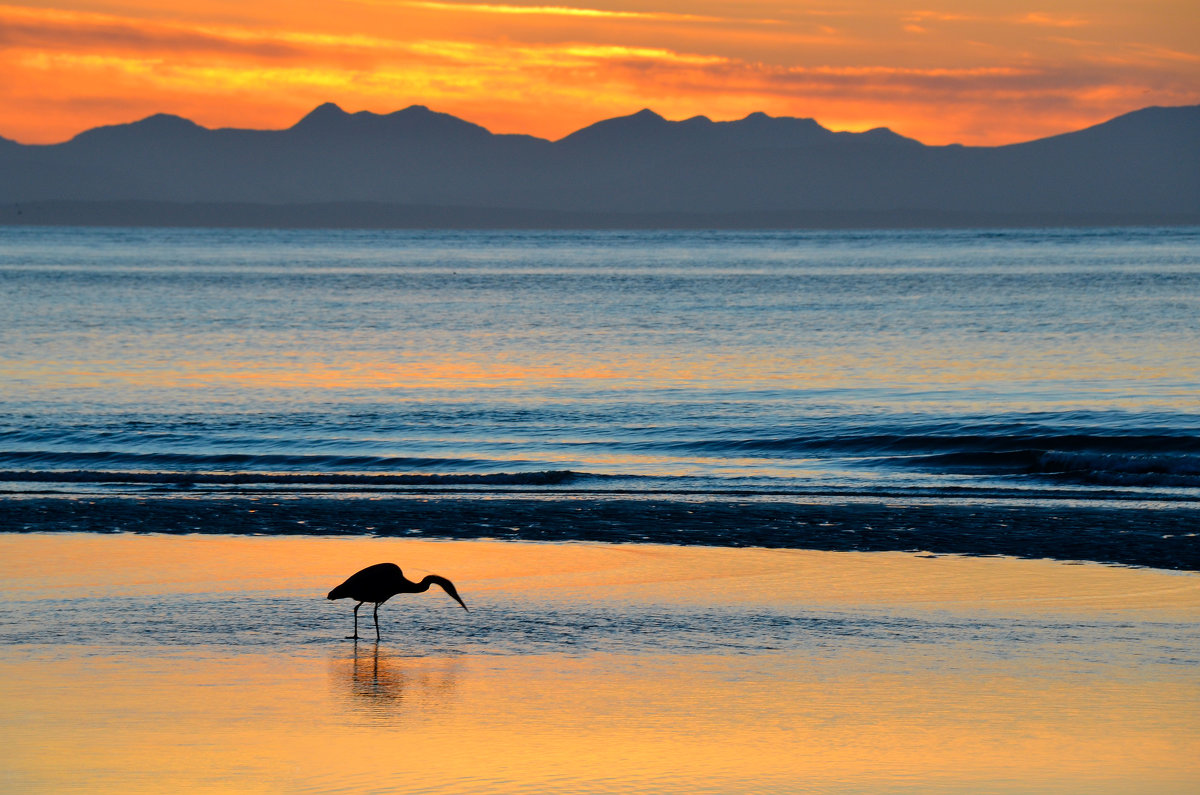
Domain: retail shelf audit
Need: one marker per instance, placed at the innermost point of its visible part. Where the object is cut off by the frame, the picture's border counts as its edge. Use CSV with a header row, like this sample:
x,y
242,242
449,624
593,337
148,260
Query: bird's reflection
x,y
382,685
374,676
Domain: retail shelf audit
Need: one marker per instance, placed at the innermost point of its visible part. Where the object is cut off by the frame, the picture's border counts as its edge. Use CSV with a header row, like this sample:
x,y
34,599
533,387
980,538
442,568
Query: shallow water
x,y
810,362
214,664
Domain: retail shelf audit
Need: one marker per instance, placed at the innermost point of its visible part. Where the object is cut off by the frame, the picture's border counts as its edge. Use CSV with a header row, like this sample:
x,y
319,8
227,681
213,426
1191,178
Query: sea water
x,y
1028,393
1062,362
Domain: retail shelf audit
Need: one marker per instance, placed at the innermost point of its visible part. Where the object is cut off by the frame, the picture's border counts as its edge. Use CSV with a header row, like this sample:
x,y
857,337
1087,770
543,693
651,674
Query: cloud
x,y
565,11
627,54
554,11
1035,18
52,30
1050,21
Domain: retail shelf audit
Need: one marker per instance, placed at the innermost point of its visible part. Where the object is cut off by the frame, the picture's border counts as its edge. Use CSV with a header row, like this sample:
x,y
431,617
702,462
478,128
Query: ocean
x,y
837,512
1047,370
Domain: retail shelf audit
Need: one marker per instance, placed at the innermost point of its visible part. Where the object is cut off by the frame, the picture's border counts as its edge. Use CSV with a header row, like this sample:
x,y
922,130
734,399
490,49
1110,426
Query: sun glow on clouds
x,y
981,73
561,11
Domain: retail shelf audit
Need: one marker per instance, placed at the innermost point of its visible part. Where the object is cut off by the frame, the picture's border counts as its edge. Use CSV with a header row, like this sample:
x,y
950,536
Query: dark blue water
x,y
1024,363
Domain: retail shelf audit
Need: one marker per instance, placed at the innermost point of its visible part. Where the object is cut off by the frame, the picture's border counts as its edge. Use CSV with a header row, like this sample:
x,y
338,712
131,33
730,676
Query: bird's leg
x,y
355,635
377,622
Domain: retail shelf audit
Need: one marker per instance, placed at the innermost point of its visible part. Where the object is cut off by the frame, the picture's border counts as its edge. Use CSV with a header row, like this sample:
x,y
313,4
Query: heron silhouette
x,y
381,582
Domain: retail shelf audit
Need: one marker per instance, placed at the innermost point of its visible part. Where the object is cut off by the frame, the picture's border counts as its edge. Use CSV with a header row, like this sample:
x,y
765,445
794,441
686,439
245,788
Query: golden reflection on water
x,y
366,369
377,684
34,566
595,724
837,715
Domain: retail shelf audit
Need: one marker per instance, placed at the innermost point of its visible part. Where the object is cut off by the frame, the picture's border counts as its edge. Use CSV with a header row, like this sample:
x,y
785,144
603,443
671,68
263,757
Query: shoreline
x,y
1119,535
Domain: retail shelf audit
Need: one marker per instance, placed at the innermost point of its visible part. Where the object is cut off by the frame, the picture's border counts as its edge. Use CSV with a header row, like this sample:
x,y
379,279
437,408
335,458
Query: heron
x,y
381,582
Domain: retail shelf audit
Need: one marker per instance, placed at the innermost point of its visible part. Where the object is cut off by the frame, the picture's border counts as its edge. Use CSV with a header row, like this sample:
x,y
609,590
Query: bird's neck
x,y
422,586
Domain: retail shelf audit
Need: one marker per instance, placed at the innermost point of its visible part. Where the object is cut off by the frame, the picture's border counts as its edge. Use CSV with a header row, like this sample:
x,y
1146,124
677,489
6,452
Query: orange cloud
x,y
1046,20
1032,18
564,11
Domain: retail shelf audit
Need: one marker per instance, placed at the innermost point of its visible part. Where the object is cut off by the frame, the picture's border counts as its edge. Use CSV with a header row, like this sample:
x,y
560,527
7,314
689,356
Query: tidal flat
x,y
214,663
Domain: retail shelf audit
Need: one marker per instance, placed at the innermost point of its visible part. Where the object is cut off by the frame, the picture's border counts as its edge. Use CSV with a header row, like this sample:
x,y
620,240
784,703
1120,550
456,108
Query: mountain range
x,y
420,168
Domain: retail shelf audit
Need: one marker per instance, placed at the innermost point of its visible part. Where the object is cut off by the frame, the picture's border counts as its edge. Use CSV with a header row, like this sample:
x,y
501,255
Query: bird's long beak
x,y
450,589
447,586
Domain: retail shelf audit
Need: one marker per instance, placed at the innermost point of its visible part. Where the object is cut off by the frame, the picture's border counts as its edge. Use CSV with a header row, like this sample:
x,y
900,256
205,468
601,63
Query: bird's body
x,y
378,583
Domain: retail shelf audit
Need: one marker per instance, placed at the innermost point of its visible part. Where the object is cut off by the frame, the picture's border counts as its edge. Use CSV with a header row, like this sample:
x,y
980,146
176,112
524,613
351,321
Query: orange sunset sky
x,y
986,72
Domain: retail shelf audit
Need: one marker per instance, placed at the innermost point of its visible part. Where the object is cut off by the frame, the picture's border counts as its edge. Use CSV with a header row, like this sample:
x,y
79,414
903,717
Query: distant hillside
x,y
419,168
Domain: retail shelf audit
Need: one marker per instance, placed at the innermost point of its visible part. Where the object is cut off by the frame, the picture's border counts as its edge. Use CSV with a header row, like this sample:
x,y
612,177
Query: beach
x,y
213,663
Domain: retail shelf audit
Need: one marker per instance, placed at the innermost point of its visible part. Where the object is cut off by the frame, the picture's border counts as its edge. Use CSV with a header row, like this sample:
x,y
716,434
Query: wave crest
x,y
542,478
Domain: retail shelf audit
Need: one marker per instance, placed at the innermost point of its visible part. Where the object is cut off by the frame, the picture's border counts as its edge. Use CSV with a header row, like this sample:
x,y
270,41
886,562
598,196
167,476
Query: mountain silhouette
x,y
413,124
418,167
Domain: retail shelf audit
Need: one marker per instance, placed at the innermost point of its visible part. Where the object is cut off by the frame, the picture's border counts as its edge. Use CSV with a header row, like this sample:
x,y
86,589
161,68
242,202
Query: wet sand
x,y
152,663
1163,536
